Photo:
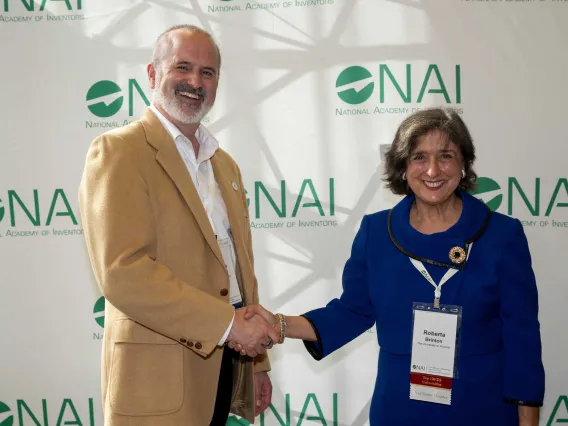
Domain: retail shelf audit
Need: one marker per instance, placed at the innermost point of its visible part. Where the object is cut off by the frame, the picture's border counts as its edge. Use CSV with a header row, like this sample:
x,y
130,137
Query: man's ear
x,y
151,75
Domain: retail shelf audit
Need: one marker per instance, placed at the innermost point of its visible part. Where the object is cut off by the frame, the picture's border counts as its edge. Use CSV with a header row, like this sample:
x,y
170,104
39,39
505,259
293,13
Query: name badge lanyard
x,y
210,197
225,244
437,288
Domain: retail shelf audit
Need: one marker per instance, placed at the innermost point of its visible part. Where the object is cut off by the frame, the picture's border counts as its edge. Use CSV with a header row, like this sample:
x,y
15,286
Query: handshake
x,y
254,330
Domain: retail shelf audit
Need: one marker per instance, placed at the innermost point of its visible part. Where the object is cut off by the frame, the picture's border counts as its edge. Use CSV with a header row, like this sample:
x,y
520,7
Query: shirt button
x,y
198,345
190,344
224,292
182,340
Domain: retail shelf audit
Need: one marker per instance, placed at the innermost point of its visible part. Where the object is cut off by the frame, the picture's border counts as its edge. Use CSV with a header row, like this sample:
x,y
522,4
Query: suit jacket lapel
x,y
171,161
230,196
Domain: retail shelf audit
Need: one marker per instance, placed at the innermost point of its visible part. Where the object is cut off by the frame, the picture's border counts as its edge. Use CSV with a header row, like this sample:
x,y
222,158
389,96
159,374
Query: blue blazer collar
x,y
440,248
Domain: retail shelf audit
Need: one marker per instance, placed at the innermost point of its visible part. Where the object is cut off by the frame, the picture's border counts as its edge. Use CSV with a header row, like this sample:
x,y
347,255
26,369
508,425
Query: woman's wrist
x,y
528,416
281,327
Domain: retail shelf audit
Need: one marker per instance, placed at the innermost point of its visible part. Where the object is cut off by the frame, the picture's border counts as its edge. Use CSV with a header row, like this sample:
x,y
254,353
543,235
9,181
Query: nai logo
x,y
68,412
488,191
99,95
410,83
419,367
105,98
6,417
559,412
355,85
99,312
29,5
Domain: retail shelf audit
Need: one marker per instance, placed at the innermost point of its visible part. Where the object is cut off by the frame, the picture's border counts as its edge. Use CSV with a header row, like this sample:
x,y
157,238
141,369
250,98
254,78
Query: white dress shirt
x,y
201,172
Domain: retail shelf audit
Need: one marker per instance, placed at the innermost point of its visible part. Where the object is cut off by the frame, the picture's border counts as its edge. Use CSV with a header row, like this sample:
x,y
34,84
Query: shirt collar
x,y
207,142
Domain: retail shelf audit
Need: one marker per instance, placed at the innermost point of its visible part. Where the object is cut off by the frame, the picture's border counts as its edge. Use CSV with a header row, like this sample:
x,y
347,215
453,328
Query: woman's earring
x,y
463,174
404,176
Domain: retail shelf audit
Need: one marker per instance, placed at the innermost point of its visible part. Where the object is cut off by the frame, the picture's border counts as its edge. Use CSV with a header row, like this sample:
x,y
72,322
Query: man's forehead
x,y
192,47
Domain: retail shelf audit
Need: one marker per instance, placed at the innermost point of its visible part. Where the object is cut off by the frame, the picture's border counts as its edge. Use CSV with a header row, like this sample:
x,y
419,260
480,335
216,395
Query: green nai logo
x,y
23,214
6,417
414,84
528,198
105,99
99,315
559,414
100,91
30,5
311,411
286,209
99,311
355,85
322,410
67,412
50,10
488,191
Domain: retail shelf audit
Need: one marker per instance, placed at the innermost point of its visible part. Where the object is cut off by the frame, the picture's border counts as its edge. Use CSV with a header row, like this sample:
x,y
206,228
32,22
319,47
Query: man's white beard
x,y
173,108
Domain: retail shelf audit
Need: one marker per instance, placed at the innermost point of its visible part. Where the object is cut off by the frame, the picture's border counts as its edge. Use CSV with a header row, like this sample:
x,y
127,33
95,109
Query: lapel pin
x,y
457,254
235,186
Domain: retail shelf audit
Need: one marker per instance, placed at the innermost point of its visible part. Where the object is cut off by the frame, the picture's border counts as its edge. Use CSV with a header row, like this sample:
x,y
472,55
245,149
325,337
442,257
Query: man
x,y
167,230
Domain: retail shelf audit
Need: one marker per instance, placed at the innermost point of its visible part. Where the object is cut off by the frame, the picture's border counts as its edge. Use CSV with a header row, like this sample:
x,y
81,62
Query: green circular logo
x,y
6,419
101,89
488,191
354,86
99,311
1,212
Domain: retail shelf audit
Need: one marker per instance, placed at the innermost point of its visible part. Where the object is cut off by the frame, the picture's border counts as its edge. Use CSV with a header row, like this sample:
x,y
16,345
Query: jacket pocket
x,y
146,375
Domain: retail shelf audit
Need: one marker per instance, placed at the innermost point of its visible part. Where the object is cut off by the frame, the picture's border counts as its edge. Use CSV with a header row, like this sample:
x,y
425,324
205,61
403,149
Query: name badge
x,y
435,344
227,251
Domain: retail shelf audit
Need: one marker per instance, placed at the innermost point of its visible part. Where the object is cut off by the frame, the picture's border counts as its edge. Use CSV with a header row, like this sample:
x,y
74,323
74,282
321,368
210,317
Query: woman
x,y
400,256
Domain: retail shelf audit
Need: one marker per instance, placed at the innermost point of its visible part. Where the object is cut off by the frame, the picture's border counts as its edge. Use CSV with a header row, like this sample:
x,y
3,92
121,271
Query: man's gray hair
x,y
163,43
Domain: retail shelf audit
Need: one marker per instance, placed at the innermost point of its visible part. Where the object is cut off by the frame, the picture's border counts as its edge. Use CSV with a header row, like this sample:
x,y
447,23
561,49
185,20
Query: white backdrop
x,y
311,92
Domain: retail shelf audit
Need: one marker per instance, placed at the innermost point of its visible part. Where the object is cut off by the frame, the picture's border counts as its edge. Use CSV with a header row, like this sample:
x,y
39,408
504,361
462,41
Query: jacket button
x,y
190,344
198,345
224,292
182,340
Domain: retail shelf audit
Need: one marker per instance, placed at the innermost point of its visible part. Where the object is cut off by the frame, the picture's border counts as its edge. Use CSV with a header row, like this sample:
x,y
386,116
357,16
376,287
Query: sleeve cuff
x,y
315,349
224,338
523,403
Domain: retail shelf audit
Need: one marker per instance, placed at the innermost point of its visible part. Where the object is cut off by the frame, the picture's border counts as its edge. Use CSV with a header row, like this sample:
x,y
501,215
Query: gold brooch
x,y
457,254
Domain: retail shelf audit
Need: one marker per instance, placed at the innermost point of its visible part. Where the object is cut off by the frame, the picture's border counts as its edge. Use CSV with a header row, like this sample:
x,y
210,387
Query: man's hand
x,y
258,312
252,310
253,335
262,392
